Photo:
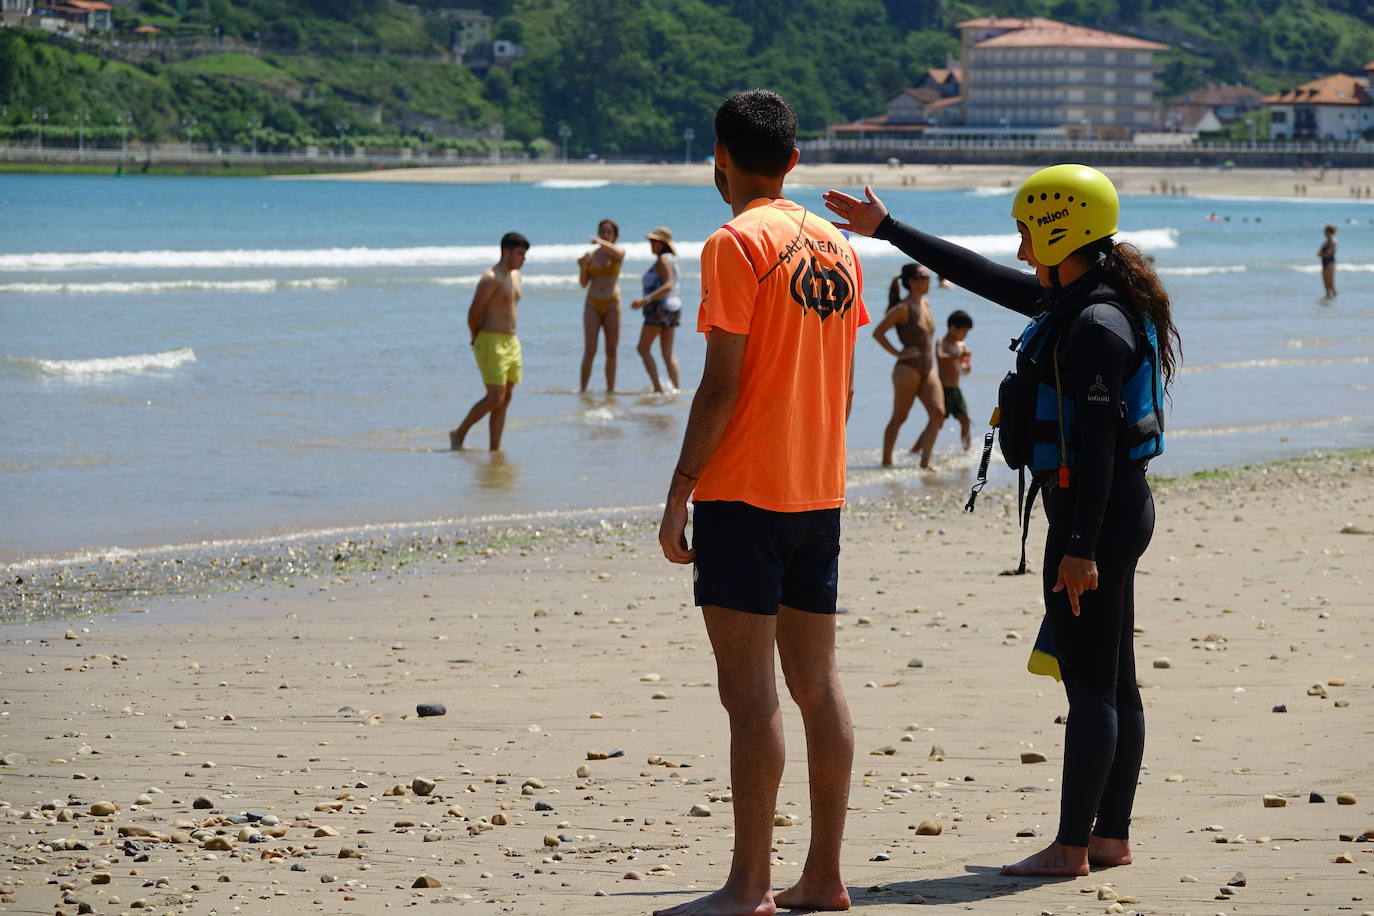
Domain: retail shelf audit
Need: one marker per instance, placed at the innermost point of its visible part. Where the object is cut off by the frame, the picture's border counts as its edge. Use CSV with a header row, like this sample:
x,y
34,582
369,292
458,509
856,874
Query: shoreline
x,y
1197,181
262,750
99,582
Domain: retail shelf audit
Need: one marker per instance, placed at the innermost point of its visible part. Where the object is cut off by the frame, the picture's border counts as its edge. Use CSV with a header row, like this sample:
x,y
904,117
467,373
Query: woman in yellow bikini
x,y
599,271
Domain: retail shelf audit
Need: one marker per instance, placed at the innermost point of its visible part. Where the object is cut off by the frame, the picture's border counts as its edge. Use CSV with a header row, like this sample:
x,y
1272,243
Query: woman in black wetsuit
x,y
1110,337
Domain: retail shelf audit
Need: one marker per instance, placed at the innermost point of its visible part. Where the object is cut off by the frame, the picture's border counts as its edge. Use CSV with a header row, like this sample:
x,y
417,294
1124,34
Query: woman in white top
x,y
662,307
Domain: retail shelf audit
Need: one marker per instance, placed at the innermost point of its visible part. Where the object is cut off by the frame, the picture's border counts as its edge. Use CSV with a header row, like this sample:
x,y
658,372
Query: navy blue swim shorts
x,y
752,560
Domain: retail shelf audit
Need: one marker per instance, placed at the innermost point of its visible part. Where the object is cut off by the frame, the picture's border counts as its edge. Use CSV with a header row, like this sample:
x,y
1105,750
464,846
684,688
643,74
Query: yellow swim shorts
x,y
498,357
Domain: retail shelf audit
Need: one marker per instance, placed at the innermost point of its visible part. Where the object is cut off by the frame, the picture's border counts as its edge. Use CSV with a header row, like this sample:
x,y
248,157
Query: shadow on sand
x,y
978,883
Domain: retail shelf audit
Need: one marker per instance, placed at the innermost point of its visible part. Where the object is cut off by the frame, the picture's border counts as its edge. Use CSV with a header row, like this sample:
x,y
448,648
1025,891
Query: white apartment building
x,y
1335,107
1039,73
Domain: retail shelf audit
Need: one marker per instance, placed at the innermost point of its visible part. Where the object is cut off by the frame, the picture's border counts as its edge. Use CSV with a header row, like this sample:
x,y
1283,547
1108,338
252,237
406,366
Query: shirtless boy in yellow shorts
x,y
491,320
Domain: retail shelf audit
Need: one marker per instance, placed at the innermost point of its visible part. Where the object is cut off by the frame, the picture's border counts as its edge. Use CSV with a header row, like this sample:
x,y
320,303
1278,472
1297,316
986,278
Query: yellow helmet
x,y
1065,207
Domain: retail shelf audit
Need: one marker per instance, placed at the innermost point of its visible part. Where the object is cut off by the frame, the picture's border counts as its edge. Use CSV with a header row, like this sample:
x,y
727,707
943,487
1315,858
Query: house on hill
x,y
1335,107
78,15
1227,102
1040,73
933,102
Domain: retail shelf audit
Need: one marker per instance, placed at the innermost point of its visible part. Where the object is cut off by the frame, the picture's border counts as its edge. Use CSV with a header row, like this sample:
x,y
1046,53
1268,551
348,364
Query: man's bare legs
x,y
494,403
932,397
743,645
646,353
806,645
905,383
665,345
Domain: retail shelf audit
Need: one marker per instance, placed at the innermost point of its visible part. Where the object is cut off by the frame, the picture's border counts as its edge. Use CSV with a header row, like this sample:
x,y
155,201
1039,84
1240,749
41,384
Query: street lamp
x,y
40,115
342,128
253,125
82,118
189,123
126,120
688,135
564,132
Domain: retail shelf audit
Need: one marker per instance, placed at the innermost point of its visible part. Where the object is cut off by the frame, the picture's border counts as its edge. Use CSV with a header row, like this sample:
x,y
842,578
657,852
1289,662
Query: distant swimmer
x,y
1327,254
662,305
913,375
491,322
1082,415
599,272
953,359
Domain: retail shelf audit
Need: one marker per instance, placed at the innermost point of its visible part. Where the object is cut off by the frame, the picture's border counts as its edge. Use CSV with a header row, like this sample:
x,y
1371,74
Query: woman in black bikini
x,y
914,374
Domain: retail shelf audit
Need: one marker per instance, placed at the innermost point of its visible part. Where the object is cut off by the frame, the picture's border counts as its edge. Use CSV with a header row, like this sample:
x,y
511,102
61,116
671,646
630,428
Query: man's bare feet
x,y
724,903
455,440
1054,859
930,468
1105,852
807,894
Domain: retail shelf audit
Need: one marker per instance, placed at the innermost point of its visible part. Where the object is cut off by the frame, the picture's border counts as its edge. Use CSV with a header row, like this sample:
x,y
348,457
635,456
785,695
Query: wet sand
x,y
1196,182
297,700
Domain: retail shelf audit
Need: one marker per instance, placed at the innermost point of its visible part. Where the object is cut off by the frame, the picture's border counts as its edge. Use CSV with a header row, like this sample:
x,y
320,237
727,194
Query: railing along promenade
x,y
1033,150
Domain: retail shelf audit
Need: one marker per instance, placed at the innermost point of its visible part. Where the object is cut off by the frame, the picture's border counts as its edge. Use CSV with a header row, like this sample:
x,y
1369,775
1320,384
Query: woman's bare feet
x,y
724,903
808,894
1105,852
1055,859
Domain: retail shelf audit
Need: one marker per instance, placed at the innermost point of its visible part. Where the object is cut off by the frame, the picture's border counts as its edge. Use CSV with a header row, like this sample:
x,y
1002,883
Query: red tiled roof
x,y
89,6
147,30
922,95
1336,89
1008,22
1063,35
943,74
867,125
944,103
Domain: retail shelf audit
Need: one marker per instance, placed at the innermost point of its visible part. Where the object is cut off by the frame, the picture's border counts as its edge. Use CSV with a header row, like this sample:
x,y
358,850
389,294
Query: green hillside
x,y
625,76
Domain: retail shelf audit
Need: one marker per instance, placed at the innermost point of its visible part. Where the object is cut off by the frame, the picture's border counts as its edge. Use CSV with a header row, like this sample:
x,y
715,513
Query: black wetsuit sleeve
x,y
1005,286
1098,351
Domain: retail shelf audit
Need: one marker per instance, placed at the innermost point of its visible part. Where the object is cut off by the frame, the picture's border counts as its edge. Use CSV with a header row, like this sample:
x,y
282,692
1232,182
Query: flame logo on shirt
x,y
823,290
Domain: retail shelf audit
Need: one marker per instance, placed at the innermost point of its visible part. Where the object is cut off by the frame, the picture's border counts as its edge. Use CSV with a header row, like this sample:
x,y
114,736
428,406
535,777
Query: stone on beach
x,y
929,828
425,710
699,811
422,786
1346,798
104,808
427,881
1162,663
1033,757
1275,801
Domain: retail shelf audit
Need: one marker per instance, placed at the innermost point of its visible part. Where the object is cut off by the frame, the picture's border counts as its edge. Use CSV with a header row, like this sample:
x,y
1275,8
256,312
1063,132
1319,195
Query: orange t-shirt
x,y
789,280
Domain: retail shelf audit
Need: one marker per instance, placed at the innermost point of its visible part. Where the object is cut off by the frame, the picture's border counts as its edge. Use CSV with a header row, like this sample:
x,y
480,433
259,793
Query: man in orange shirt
x,y
764,452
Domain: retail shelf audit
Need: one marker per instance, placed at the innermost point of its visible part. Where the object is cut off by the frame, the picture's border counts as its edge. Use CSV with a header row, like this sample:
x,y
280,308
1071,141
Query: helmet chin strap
x,y
1054,277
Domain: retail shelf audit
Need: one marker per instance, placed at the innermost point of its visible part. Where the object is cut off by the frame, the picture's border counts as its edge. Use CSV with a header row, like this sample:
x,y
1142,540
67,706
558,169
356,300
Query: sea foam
x,y
107,365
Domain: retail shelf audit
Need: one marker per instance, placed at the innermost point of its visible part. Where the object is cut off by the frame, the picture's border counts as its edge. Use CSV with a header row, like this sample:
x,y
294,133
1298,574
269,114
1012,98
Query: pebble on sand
x,y
1162,662
1346,798
424,710
1275,801
929,828
1033,757
421,786
426,881
699,811
104,808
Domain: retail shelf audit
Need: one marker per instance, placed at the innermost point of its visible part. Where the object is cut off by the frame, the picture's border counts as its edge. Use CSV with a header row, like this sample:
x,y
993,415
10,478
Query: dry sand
x,y
1335,185
299,703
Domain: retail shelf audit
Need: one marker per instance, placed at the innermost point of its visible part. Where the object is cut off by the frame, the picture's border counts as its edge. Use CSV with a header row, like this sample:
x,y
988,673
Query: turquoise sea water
x,y
189,359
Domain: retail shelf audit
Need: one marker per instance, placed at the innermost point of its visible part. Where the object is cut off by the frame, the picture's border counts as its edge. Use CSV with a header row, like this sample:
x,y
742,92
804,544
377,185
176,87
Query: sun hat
x,y
662,234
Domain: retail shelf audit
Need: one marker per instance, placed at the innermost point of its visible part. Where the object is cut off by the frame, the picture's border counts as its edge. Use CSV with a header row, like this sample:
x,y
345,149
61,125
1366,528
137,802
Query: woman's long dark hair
x,y
1132,275
897,290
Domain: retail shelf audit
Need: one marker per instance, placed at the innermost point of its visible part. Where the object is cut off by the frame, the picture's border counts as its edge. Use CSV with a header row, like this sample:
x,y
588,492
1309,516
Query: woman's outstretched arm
x,y
1005,286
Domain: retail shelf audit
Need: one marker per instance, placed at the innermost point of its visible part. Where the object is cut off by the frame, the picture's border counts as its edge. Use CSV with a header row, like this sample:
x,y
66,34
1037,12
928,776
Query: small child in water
x,y
953,359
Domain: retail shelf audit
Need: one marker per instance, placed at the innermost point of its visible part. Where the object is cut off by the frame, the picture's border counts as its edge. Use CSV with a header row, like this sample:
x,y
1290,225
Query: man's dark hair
x,y
759,129
514,240
960,319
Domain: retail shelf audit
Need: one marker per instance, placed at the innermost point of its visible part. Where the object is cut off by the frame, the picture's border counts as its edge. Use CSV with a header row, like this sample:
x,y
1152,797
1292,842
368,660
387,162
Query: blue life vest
x,y
1037,420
